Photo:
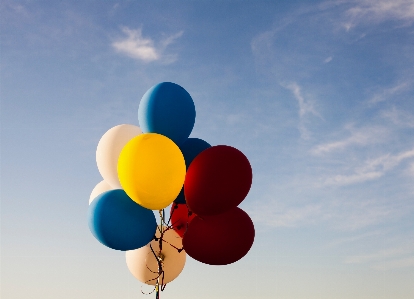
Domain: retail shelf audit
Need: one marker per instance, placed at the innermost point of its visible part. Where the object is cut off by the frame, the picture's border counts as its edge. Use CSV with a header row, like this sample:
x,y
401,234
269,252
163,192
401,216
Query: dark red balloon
x,y
180,218
219,239
217,180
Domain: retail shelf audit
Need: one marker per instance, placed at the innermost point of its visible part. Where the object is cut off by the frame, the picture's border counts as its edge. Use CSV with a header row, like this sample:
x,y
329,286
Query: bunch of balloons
x,y
155,165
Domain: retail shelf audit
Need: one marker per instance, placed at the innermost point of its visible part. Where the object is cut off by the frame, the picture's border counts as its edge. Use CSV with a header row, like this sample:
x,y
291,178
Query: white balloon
x,y
143,264
100,188
109,148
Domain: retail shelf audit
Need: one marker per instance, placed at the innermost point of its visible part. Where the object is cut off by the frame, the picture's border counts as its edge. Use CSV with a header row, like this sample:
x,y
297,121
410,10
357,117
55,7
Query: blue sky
x,y
317,94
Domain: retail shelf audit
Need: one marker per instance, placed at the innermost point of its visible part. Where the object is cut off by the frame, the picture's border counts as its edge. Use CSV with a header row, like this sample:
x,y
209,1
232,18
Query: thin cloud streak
x,y
380,255
377,11
399,117
373,169
360,137
305,108
275,215
389,92
144,49
386,259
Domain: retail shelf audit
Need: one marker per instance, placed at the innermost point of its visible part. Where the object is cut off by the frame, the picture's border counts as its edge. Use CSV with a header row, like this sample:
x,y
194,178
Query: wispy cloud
x,y
360,137
138,47
372,169
399,117
388,93
355,238
327,60
277,215
386,259
376,11
306,107
379,255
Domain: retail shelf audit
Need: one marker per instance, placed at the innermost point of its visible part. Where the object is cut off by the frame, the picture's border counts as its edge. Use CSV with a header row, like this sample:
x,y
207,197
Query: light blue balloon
x,y
120,223
169,110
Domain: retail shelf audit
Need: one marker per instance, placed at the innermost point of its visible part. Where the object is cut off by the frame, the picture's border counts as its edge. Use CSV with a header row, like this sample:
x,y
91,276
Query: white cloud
x,y
360,137
354,178
377,11
234,119
355,238
306,107
355,215
387,93
386,259
380,255
327,60
372,169
399,117
275,215
411,169
138,47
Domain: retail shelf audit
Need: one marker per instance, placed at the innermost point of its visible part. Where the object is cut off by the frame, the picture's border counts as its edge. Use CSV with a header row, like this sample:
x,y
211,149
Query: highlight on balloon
x,y
156,166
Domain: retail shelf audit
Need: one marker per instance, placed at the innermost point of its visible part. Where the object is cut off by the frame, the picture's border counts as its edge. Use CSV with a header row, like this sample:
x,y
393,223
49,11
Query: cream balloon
x,y
143,264
100,188
109,148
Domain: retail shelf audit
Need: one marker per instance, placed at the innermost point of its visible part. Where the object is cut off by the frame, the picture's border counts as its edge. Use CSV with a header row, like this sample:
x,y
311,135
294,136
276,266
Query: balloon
x,y
217,180
144,266
100,188
167,109
220,239
180,198
151,170
180,218
119,223
190,149
109,148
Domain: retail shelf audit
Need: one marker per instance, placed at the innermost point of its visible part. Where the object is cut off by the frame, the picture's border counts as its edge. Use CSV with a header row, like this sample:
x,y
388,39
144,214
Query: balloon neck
x,y
160,257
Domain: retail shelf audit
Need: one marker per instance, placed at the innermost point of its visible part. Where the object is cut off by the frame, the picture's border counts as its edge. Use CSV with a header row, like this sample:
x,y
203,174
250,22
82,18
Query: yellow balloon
x,y
151,170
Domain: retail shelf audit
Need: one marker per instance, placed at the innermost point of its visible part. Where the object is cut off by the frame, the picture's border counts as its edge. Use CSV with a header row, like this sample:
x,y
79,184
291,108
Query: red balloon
x,y
180,218
219,239
217,180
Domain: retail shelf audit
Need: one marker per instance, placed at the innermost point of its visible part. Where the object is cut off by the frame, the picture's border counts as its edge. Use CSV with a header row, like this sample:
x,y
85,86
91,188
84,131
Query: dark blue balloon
x,y
120,223
169,110
190,149
180,198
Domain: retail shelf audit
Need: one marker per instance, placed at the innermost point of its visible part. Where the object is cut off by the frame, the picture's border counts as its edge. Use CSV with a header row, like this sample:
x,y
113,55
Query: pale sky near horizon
x,y
317,94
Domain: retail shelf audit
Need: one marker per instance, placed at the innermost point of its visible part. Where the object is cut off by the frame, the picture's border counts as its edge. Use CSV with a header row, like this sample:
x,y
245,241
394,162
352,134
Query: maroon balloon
x,y
217,180
180,218
219,239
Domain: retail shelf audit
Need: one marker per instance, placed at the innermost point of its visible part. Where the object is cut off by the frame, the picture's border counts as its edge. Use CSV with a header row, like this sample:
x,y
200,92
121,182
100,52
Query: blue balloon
x,y
190,149
120,223
180,198
169,110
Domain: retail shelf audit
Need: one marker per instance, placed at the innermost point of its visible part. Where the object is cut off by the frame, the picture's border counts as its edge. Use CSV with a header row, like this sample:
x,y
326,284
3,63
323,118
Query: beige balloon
x,y
100,188
142,263
109,148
